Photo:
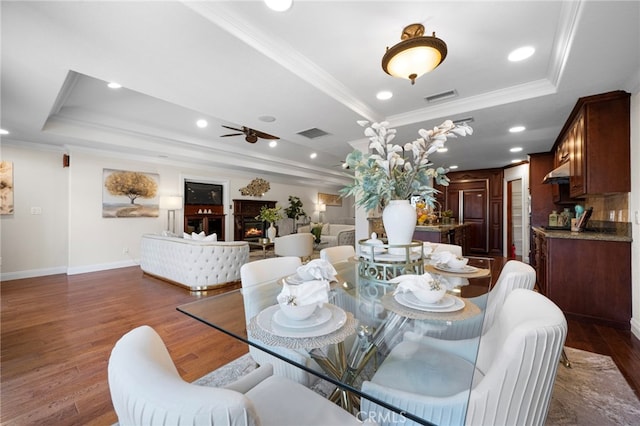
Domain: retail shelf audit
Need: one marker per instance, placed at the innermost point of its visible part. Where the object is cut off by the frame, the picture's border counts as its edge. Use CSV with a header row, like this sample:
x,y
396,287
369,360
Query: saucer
x,y
319,317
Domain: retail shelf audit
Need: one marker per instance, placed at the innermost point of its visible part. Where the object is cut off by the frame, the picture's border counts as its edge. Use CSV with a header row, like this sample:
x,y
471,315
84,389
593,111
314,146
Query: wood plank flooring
x,y
58,331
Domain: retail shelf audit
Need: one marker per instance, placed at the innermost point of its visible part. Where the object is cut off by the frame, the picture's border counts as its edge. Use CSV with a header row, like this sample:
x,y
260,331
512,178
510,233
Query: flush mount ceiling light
x,y
415,55
279,5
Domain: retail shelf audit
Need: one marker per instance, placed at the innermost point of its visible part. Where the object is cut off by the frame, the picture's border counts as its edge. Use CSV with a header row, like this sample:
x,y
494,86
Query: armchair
x,y
146,389
300,245
513,376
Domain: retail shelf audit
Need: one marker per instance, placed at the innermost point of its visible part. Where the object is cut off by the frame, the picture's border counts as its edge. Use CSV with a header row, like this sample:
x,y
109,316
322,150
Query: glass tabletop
x,y
366,335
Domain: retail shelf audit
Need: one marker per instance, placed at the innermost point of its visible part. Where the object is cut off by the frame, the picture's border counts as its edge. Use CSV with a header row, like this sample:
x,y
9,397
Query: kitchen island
x,y
457,234
587,274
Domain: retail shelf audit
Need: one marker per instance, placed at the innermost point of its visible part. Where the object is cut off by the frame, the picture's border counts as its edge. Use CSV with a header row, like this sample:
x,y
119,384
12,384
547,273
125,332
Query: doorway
x,y
514,219
469,201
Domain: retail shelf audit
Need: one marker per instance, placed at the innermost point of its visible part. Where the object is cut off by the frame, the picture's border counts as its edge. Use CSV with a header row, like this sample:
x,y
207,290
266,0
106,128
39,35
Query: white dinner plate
x,y
265,322
319,316
294,279
411,301
466,269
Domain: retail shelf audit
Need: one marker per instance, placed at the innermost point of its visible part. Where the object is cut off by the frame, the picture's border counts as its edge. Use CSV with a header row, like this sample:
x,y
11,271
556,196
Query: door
x,y
469,202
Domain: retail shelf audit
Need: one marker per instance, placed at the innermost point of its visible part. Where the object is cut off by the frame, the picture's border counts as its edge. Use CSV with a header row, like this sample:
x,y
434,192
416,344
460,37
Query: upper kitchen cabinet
x,y
597,138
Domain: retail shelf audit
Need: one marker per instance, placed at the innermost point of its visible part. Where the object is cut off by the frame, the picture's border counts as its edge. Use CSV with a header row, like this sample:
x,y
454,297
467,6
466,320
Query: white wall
x,y
71,236
634,210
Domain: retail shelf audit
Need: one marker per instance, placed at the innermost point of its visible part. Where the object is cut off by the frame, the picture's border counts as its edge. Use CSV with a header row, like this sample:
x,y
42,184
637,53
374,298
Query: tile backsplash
x,y
609,208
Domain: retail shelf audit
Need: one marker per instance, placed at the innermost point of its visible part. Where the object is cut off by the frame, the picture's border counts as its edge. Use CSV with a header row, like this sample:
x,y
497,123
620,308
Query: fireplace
x,y
253,229
245,225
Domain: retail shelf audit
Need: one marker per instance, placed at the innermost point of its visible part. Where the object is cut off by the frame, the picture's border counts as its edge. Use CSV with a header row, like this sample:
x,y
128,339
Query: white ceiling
x,y
314,66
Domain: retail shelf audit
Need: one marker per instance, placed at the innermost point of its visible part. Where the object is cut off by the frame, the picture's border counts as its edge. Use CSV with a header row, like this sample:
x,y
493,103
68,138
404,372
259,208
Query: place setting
x,y
447,263
303,316
425,297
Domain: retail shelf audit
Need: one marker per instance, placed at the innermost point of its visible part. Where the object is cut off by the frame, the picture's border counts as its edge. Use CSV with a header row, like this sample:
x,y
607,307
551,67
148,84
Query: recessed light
x,y
279,5
114,85
453,167
4,132
443,149
273,144
517,129
517,160
521,53
267,118
384,95
202,123
516,149
313,155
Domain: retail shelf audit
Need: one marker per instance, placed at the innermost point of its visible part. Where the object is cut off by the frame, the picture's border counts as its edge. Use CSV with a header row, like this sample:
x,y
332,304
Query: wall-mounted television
x,y
202,193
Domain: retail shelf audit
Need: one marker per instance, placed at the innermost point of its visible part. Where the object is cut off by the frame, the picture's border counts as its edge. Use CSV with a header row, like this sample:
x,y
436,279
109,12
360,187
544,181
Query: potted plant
x,y
446,216
271,215
295,211
388,175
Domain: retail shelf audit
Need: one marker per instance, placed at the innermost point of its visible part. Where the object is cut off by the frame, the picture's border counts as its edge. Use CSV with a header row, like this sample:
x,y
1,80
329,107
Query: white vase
x,y
399,219
271,232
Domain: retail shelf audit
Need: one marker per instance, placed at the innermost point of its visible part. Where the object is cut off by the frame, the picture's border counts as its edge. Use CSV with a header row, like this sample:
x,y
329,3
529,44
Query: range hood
x,y
558,175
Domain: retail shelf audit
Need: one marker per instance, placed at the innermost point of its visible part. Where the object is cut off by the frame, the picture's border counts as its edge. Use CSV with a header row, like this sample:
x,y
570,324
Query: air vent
x,y
463,120
313,133
441,96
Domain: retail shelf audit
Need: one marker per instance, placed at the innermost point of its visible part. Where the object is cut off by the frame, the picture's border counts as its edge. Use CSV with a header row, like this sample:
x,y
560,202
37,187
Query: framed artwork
x,y
129,194
329,199
6,187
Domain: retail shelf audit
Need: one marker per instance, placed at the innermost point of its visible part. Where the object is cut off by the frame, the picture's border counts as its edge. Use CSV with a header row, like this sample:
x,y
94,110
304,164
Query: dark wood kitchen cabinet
x,y
596,140
589,279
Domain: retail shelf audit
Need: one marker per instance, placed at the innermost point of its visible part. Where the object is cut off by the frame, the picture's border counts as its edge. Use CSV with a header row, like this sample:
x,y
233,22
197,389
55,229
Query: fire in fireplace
x,y
253,229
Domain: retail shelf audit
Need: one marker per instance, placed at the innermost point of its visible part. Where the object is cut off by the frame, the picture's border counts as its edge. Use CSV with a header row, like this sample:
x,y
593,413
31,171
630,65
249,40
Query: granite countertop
x,y
620,234
438,228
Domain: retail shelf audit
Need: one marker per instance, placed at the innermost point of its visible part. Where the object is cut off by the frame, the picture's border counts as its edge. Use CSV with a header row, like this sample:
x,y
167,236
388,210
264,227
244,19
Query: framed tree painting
x,y
6,187
129,194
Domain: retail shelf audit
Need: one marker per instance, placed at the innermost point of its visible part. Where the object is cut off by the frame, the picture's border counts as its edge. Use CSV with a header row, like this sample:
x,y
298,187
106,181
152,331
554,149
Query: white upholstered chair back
x,y
146,388
300,245
514,375
514,274
337,253
260,271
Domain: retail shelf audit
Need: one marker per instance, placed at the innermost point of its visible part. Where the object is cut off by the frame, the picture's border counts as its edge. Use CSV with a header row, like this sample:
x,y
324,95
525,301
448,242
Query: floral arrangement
x,y
270,215
393,172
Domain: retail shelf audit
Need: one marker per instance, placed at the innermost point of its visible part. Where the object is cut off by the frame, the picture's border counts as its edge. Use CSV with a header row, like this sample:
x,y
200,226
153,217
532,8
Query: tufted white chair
x,y
337,253
512,379
146,389
197,265
300,245
514,274
260,271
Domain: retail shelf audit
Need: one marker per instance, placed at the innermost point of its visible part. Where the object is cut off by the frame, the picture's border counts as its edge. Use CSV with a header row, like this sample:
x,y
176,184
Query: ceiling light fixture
x,y
453,167
521,53
273,144
384,95
202,123
4,132
516,149
517,129
279,5
415,55
114,85
313,155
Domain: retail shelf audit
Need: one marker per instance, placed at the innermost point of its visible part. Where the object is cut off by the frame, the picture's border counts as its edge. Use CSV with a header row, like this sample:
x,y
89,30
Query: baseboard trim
x,y
18,275
32,273
635,327
102,267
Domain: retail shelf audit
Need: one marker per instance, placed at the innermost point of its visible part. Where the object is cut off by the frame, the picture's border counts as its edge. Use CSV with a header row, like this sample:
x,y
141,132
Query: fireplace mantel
x,y
246,210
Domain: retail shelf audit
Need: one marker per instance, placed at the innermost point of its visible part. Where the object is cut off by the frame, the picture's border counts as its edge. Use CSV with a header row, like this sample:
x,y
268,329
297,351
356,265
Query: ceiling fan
x,y
251,135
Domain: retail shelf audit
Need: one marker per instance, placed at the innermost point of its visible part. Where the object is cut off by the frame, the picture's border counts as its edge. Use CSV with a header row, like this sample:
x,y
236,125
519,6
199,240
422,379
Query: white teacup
x,y
457,262
430,296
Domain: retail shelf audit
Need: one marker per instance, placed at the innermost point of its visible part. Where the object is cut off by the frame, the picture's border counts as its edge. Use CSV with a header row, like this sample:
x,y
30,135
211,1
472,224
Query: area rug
x,y
591,393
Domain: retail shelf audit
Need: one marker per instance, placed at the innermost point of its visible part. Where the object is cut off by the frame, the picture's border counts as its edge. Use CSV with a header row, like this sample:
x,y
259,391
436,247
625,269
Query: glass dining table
x,y
357,330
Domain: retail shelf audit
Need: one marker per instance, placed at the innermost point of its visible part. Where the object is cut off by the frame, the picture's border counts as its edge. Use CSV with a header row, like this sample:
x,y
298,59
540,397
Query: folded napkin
x,y
317,269
413,283
307,293
442,257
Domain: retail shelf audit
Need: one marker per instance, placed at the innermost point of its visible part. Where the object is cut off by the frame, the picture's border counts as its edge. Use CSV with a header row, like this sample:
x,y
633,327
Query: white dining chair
x,y
337,253
514,274
300,245
147,390
261,271
513,375
439,247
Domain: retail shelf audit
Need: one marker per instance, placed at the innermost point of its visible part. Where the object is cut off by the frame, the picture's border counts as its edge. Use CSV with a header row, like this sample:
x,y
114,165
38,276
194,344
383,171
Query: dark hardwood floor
x,y
58,331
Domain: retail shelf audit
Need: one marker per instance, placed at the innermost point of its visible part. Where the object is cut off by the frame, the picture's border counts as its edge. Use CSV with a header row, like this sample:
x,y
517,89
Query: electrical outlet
x,y
125,250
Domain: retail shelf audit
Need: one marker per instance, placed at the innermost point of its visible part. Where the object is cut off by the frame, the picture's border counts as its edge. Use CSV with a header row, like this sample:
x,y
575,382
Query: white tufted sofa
x,y
197,265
